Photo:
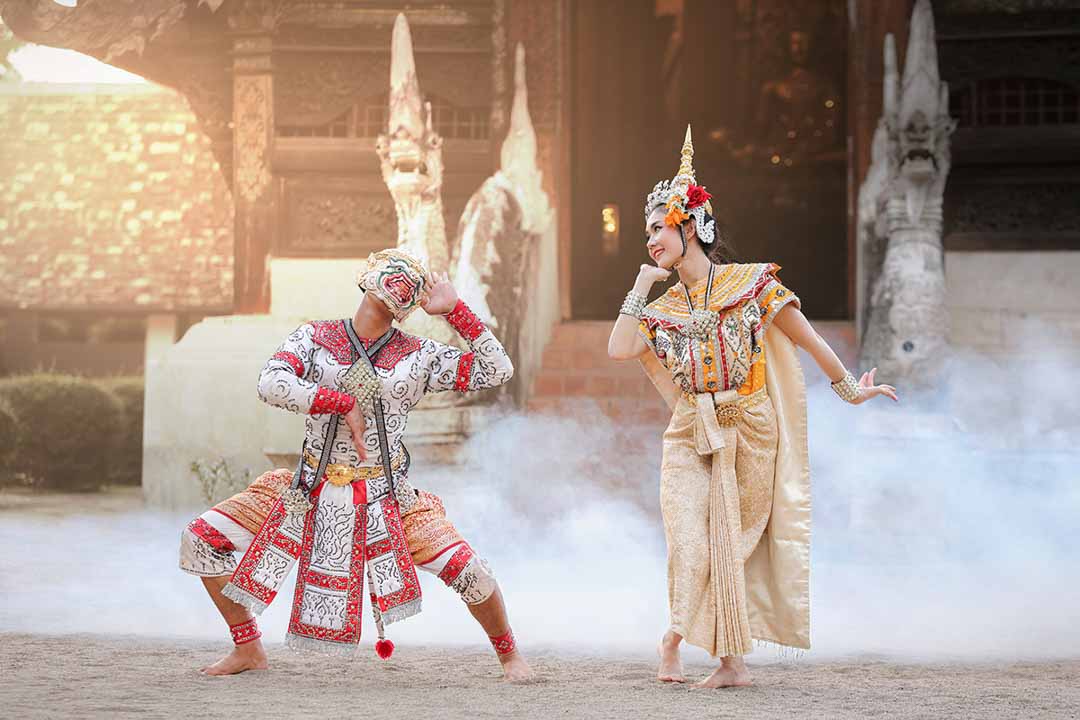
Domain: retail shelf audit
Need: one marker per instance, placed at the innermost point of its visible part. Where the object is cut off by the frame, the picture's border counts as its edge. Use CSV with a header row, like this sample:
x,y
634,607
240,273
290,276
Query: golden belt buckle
x,y
339,475
728,413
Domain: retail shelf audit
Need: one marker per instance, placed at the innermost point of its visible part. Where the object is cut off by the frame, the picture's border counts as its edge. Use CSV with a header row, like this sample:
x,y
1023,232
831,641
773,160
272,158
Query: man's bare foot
x,y
515,669
249,656
671,669
730,674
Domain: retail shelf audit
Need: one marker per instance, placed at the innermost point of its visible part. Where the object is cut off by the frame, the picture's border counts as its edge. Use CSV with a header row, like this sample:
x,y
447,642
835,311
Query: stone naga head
x,y
410,151
916,110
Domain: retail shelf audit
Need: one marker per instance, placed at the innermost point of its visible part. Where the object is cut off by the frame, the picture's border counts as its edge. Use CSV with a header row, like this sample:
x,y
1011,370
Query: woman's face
x,y
664,244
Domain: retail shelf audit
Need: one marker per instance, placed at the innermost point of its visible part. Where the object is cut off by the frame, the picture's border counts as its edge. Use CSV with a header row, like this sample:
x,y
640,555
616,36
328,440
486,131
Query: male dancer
x,y
350,502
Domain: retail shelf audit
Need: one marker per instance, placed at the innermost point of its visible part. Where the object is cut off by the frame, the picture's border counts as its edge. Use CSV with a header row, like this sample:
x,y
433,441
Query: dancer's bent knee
x,y
467,574
211,544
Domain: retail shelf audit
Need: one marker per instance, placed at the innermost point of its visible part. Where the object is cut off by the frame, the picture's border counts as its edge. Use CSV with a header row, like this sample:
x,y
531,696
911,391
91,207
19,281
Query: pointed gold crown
x,y
686,161
678,185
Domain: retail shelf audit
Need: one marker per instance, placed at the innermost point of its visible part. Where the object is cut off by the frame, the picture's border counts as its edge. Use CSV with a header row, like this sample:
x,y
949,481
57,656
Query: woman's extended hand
x,y
867,388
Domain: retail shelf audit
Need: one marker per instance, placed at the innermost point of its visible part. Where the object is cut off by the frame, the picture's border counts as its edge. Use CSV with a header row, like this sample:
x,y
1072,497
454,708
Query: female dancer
x,y
734,479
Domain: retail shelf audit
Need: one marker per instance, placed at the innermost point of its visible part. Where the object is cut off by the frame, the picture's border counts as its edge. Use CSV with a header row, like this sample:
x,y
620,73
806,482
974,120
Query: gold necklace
x,y
704,323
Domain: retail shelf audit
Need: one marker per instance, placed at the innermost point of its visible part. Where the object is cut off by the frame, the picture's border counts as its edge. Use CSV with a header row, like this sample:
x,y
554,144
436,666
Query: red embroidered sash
x,y
333,541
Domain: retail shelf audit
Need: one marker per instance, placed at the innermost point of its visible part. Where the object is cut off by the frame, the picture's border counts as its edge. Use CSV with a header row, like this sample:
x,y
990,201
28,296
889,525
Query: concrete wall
x,y
314,289
201,405
998,299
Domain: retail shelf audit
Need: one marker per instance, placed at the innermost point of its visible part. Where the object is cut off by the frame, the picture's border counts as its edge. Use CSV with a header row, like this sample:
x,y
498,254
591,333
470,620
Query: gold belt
x,y
340,474
728,413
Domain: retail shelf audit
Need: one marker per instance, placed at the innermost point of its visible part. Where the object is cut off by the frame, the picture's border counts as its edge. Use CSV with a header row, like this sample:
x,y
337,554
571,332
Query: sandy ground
x,y
94,676
96,621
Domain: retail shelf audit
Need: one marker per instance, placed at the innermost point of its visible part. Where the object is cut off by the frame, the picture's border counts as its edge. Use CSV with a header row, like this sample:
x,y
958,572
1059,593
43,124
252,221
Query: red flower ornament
x,y
696,195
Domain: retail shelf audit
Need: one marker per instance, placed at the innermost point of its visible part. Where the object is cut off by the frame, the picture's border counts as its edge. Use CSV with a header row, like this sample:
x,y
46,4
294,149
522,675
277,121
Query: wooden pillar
x,y
868,23
253,140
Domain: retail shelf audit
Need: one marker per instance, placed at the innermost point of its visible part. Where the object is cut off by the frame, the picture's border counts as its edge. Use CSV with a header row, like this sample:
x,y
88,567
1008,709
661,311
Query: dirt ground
x,y
98,676
97,622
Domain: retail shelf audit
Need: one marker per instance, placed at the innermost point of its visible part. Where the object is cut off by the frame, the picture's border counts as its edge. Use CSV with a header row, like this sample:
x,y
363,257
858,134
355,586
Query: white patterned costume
x,y
353,508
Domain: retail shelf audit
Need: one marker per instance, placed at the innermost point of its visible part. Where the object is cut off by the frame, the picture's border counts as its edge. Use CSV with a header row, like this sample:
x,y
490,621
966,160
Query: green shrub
x,y
8,426
125,467
65,429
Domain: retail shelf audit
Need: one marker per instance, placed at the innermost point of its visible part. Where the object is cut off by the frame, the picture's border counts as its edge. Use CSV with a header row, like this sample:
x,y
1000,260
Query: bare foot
x,y
249,656
727,676
515,669
671,669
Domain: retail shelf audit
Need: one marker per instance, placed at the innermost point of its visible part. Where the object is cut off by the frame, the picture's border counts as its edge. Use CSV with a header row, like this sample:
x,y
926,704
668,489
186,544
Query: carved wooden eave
x,y
267,78
178,44
188,45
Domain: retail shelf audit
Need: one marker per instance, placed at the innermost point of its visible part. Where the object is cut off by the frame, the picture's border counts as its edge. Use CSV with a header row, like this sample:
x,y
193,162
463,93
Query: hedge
x,y
8,426
73,433
126,465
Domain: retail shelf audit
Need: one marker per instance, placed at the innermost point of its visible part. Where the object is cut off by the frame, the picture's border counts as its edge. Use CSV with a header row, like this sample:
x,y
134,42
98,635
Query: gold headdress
x,y
683,197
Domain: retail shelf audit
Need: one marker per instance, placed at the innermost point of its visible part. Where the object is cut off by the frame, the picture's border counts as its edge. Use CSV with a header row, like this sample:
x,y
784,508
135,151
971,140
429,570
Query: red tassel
x,y
384,649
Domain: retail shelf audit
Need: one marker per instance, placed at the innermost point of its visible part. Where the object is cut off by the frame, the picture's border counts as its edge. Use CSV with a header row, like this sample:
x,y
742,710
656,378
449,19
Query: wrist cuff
x,y
331,401
462,319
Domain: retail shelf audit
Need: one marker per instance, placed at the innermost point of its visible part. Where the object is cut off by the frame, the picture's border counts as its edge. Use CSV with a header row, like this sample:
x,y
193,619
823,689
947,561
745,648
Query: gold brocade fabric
x,y
736,506
427,530
250,506
715,509
745,299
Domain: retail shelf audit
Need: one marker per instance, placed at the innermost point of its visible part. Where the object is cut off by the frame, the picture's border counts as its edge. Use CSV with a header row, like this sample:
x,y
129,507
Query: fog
x,y
941,531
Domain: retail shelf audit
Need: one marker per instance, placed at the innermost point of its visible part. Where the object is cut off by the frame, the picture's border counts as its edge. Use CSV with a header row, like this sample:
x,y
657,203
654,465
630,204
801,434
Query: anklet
x,y
245,632
504,644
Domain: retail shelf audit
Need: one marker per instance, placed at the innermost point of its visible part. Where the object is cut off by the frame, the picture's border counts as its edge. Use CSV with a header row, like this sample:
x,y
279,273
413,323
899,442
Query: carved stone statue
x,y
410,156
488,261
505,215
906,325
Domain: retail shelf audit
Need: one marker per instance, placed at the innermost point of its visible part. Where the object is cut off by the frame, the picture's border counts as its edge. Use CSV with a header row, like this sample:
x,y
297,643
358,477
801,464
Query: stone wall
x,y
1001,302
110,198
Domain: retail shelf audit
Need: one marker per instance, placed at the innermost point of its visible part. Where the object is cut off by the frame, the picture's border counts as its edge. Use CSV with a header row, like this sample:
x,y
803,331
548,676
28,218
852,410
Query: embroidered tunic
x,y
303,377
747,298
351,522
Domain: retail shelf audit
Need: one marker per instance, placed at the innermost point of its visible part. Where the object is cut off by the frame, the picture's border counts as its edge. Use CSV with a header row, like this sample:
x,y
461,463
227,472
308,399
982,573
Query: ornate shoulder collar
x,y
331,335
732,285
396,349
735,284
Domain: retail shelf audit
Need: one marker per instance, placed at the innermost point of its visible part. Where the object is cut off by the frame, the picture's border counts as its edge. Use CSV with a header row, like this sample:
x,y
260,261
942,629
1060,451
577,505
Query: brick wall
x,y
109,198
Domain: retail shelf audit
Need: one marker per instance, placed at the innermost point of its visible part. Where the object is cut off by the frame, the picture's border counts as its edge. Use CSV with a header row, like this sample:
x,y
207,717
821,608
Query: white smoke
x,y
943,534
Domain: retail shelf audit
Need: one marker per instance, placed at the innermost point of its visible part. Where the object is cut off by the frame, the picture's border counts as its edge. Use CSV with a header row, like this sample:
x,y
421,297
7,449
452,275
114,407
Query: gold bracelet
x,y
847,388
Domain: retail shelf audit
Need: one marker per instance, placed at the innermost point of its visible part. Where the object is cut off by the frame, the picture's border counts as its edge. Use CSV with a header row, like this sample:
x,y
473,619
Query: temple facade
x,y
324,152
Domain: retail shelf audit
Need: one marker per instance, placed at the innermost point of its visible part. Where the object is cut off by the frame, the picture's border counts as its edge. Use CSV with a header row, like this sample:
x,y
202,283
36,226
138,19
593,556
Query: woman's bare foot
x,y
671,669
249,656
515,669
731,673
